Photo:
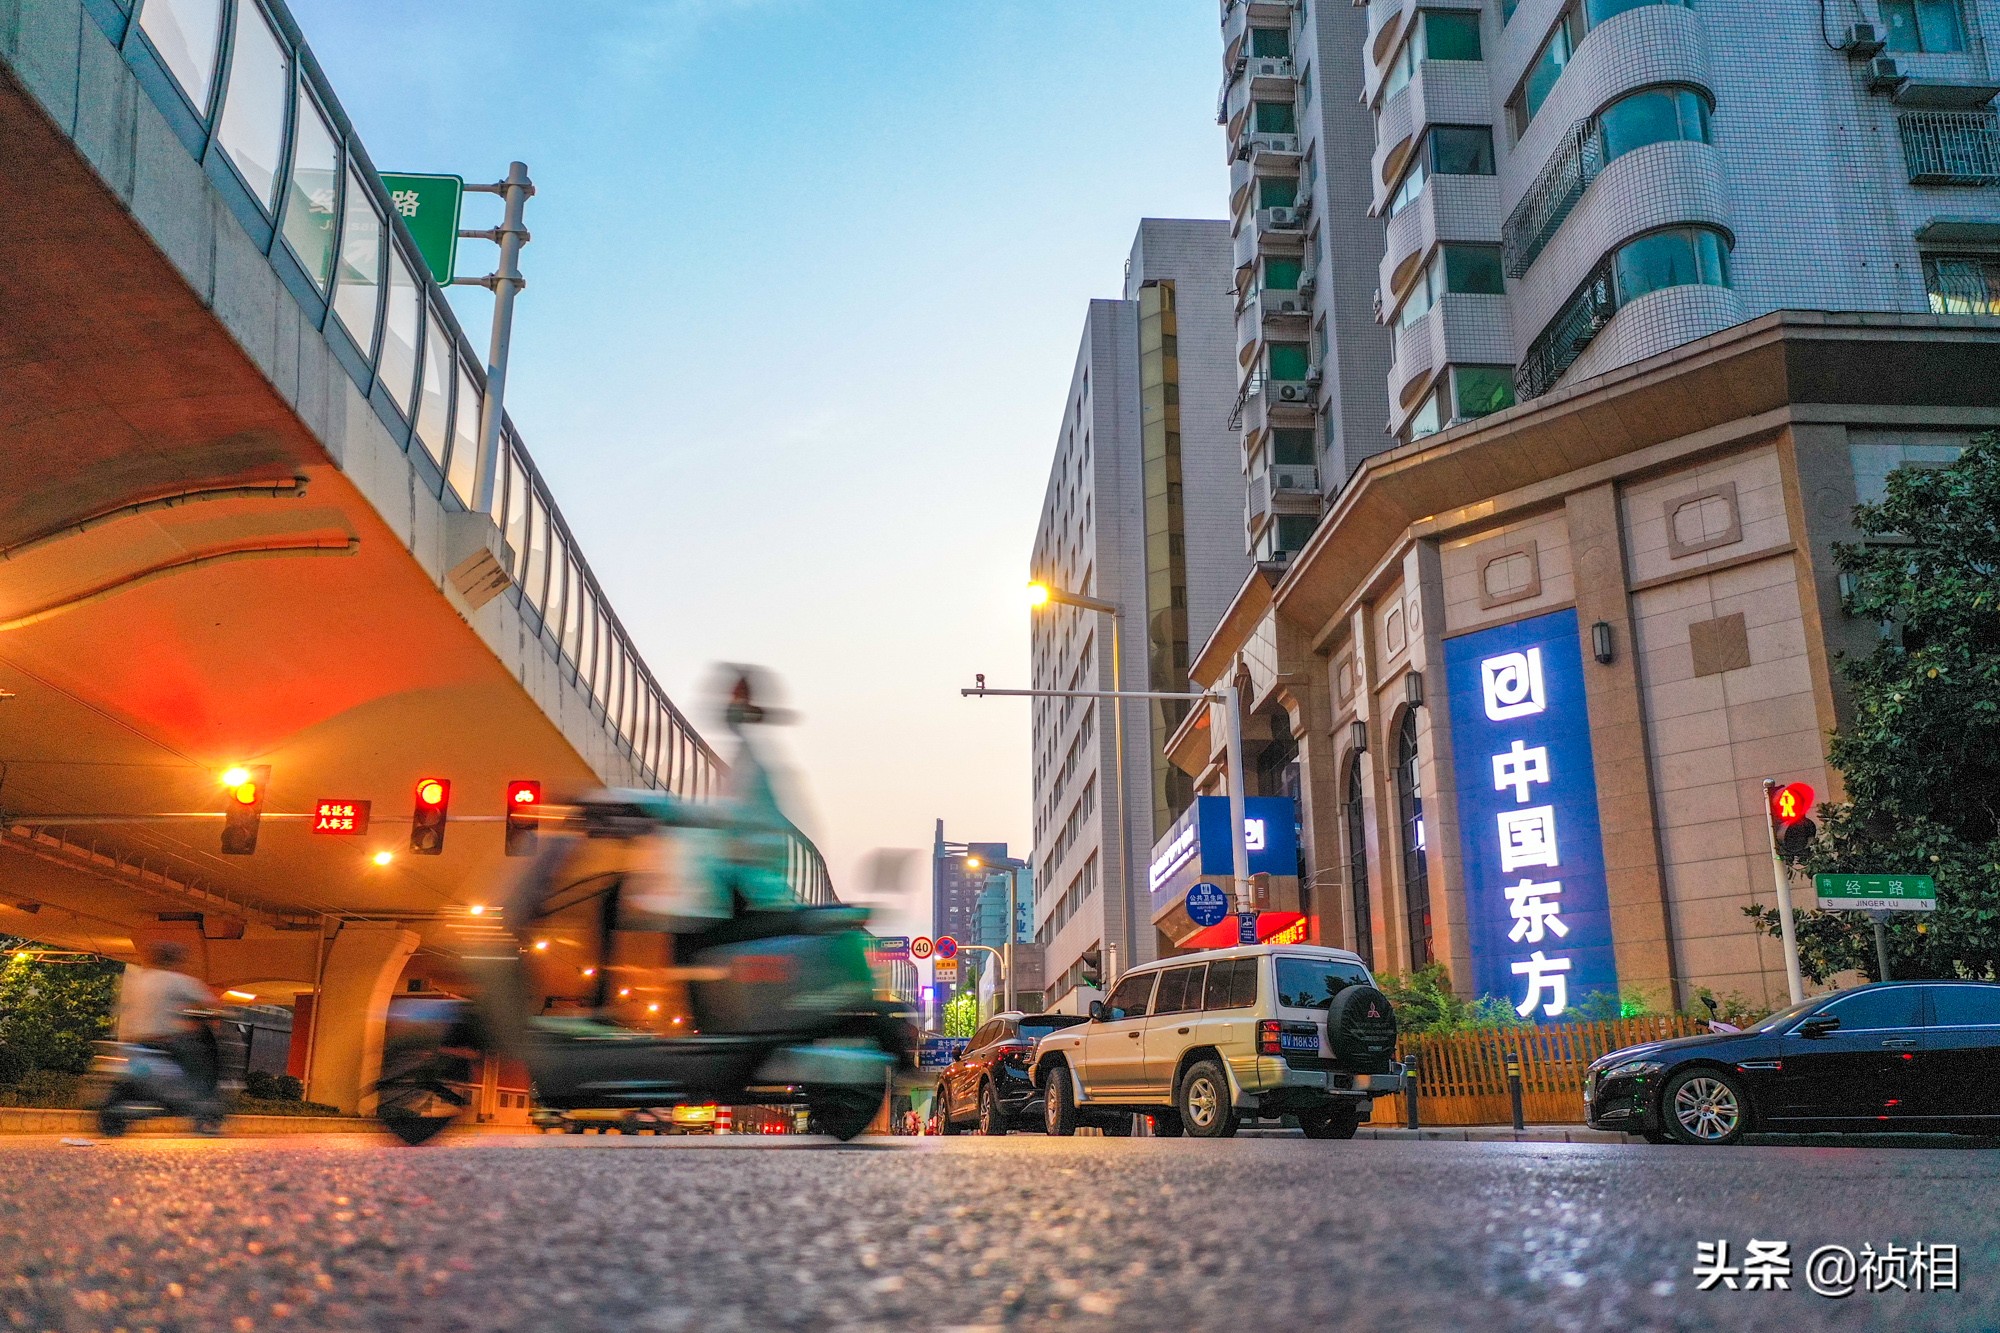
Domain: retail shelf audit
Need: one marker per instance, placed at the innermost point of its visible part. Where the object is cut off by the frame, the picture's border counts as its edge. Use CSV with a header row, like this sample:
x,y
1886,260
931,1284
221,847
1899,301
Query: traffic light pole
x,y
1782,877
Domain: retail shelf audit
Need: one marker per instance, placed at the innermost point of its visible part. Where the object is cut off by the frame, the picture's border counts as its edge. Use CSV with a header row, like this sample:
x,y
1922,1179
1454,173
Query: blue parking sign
x,y
1246,927
1207,904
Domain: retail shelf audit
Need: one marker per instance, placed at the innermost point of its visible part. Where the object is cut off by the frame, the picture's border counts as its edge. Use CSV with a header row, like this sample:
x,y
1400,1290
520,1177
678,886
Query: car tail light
x,y
1268,1040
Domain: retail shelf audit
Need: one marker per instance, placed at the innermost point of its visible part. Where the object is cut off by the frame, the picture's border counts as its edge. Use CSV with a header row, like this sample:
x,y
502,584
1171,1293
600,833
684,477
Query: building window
x,y
1446,150
1363,941
1436,35
1655,115
1276,118
1416,860
1677,257
1963,284
187,35
1923,25
1548,65
1292,446
1703,521
1512,574
1277,191
1289,361
1482,390
1473,269
1282,275
1270,43
1294,531
1429,417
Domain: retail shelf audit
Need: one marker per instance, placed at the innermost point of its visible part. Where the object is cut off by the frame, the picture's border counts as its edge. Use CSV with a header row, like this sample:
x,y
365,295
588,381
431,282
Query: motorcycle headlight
x,y
1634,1069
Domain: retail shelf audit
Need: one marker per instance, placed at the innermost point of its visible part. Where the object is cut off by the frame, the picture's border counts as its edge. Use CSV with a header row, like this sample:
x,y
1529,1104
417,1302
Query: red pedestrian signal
x,y
243,808
522,827
1790,804
427,822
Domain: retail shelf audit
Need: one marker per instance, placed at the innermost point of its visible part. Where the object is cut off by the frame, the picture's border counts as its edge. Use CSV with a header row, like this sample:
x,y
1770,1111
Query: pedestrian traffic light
x,y
1092,967
427,823
522,827
1791,817
243,807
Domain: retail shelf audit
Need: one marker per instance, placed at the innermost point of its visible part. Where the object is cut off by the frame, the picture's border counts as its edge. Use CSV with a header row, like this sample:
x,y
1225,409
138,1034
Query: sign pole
x,y
1239,848
1007,943
1881,945
506,282
1783,879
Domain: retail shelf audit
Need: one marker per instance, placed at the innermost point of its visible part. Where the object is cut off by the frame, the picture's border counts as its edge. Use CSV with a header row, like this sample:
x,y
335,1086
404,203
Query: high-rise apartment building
x,y
1142,511
1562,187
1312,359
956,885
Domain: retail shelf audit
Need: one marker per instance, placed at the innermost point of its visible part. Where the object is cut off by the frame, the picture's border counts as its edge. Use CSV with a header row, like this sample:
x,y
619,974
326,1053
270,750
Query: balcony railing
x,y
1951,147
1558,346
1569,172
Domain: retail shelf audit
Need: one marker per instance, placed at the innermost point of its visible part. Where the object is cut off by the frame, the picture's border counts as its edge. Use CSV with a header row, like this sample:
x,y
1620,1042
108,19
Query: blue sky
x,y
805,287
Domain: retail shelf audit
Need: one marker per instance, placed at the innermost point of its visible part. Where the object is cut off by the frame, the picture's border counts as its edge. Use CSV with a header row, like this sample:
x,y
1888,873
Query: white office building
x,y
1143,511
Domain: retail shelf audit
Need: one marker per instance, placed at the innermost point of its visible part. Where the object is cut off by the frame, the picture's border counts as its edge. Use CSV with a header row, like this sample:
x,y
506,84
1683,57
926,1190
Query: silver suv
x,y
1199,1042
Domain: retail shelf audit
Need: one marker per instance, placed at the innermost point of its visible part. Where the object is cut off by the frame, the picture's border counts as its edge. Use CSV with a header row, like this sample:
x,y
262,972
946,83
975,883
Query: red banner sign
x,y
340,818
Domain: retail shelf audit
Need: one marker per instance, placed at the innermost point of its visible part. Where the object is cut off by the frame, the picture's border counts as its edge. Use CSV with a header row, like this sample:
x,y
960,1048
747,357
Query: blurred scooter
x,y
135,1081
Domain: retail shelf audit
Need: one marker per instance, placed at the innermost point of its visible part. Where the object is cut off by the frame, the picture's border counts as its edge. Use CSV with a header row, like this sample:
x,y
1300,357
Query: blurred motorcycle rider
x,y
152,1011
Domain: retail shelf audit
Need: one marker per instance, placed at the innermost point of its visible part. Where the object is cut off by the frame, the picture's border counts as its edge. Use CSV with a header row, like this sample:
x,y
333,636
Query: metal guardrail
x,y
1558,345
1951,147
1563,179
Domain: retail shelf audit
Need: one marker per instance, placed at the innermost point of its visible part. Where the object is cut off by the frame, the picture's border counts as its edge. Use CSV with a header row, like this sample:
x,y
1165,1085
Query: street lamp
x,y
1013,869
1040,594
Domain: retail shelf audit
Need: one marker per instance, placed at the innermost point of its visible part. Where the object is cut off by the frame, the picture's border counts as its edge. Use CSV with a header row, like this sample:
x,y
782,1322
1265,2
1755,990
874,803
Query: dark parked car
x,y
989,1085
1898,1056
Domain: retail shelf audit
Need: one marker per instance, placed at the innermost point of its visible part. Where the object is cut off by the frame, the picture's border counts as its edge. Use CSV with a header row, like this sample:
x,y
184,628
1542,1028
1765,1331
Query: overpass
x,y
238,454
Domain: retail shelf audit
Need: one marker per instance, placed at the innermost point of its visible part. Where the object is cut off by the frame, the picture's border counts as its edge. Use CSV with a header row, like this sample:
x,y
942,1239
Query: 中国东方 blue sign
x,y
1199,844
1527,808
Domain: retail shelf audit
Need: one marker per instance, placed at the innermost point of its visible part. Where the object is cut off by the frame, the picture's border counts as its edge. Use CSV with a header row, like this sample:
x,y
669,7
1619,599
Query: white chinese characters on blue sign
x,y
1528,819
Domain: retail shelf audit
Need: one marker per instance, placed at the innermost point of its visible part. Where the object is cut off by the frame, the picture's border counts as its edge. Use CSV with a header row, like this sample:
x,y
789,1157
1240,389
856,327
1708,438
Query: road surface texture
x,y
489,1233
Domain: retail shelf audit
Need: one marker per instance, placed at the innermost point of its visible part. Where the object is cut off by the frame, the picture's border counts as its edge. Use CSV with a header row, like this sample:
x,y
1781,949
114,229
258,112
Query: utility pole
x,y
1782,877
505,283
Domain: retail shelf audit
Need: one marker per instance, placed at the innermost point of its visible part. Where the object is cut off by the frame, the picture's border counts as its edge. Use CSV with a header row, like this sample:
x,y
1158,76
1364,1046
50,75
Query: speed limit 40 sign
x,y
920,947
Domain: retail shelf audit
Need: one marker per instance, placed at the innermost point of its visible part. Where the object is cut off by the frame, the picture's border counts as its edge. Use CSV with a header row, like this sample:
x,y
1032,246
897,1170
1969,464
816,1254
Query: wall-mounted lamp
x,y
1413,689
1357,736
1600,642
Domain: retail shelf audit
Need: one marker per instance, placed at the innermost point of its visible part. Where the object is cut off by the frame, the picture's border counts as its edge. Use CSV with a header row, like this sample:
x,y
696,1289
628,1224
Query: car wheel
x,y
992,1120
1704,1106
1332,1122
945,1125
1204,1103
1058,1103
1167,1125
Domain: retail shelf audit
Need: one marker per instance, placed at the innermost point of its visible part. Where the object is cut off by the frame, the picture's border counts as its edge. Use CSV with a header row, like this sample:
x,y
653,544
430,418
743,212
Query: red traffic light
x,y
427,820
522,829
524,793
1791,803
433,791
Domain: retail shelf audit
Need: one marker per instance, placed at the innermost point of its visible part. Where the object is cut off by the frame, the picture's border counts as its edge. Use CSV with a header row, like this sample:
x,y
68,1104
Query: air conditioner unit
x,y
1308,284
1883,75
1284,305
1281,217
1861,41
1272,68
1294,393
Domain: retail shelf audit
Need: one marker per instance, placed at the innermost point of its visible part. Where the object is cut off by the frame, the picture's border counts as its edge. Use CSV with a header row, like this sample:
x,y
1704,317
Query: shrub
x,y
13,1066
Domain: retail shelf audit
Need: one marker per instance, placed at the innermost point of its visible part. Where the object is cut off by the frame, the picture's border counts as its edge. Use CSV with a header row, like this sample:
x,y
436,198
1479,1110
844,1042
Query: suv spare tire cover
x,y
1360,1024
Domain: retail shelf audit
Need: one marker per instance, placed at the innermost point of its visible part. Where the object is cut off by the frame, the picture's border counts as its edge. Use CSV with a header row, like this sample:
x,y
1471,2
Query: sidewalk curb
x,y
1501,1134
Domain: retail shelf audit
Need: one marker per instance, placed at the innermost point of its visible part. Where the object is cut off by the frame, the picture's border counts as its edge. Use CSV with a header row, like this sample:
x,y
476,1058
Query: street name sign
x,y
1207,904
1876,893
430,207
892,948
937,1052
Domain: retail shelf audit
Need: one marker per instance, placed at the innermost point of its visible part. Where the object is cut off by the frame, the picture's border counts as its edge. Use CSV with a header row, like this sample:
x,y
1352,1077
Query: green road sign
x,y
1876,893
429,207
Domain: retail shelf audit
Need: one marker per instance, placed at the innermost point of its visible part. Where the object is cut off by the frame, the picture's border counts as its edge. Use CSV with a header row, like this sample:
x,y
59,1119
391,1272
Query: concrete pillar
x,y
363,961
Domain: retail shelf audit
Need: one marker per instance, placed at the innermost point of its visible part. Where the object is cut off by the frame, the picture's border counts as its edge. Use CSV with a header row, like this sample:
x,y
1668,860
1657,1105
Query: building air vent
x,y
1861,41
1883,75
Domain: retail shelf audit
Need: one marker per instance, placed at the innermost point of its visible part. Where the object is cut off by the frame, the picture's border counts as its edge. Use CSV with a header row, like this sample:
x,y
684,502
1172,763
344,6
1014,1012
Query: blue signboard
x,y
1527,810
1199,844
1246,927
937,1052
1207,904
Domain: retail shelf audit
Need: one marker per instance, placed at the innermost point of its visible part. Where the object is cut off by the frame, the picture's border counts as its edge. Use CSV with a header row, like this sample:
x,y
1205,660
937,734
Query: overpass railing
x,y
245,96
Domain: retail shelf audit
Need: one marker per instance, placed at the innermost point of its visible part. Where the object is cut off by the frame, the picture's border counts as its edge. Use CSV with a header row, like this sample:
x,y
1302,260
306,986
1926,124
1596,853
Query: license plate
x,y
1304,1042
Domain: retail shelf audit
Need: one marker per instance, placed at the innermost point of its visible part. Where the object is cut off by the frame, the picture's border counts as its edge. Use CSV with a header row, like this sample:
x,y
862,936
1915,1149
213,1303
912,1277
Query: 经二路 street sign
x,y
1876,893
430,208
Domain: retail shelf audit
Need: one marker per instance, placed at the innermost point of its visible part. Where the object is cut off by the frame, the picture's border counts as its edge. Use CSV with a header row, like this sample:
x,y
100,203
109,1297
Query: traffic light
x,y
1791,817
1092,967
522,828
427,823
243,807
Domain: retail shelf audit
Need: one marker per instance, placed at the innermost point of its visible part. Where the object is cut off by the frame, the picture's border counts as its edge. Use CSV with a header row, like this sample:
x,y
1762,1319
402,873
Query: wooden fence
x,y
1462,1076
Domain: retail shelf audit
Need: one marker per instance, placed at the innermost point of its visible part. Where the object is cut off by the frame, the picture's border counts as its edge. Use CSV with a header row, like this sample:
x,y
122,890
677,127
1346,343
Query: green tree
x,y
54,1004
961,1014
1921,751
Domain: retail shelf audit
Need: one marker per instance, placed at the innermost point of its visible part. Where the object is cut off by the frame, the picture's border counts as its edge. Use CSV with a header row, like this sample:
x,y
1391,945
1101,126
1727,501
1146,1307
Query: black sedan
x,y
1895,1057
989,1085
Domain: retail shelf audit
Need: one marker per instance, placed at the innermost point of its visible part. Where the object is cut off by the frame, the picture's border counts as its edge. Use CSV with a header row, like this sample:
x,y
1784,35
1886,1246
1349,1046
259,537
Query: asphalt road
x,y
1255,1233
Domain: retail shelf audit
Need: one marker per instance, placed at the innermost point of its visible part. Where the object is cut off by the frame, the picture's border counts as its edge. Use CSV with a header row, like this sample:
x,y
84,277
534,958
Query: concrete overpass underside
x,y
213,553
